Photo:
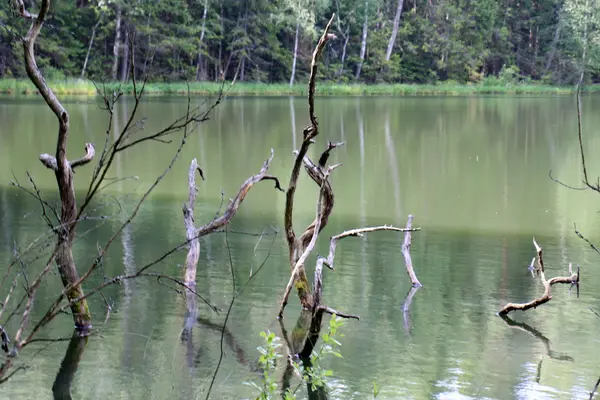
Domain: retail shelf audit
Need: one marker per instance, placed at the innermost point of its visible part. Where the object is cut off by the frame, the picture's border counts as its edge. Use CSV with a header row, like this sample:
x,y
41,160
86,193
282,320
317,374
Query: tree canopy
x,y
378,41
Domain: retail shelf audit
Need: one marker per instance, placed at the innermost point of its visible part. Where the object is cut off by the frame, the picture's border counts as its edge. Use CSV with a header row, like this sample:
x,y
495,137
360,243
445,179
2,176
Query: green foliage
x,y
268,356
482,41
315,375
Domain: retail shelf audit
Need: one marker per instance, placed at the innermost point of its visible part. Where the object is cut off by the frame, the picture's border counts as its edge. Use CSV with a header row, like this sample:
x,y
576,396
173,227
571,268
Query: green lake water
x,y
474,171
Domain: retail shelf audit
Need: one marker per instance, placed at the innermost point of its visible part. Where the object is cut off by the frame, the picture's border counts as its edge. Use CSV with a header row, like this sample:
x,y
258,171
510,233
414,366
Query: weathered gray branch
x,y
547,296
406,253
50,161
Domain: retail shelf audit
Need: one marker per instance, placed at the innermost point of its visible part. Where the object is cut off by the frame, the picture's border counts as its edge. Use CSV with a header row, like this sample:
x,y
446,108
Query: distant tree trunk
x,y
392,41
363,46
343,60
115,65
553,47
87,55
202,30
242,68
585,44
295,55
125,60
218,65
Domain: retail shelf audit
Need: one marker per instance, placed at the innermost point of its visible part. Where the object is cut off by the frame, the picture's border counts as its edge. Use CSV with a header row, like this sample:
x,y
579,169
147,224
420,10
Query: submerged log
x,y
547,296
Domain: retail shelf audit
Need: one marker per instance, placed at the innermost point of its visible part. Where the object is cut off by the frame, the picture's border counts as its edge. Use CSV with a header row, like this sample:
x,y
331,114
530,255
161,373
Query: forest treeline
x,y
378,41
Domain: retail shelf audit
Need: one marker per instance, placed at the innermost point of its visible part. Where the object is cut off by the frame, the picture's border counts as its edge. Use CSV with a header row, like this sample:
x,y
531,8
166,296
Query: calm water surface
x,y
473,171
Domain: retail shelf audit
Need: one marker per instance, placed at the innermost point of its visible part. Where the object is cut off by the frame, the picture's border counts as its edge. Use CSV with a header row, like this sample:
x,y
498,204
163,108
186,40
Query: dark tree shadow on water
x,y
61,389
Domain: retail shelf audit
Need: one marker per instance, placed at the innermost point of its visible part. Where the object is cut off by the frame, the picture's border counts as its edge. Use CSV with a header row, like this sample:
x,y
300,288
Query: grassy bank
x,y
84,87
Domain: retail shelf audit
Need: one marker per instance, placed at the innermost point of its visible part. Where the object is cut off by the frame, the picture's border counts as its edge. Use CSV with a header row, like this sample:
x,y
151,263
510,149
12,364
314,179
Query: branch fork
x,y
573,279
50,161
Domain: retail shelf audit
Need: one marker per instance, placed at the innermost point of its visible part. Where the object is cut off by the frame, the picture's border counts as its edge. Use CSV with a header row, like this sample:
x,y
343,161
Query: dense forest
x,y
377,41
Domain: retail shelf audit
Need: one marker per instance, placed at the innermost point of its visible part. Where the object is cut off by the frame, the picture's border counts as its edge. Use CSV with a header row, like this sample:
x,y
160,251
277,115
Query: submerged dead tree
x,y
301,247
538,268
63,170
62,223
193,234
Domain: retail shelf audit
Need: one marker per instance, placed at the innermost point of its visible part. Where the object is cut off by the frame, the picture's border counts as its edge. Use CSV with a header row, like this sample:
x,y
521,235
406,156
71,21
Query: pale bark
x,y
295,55
202,30
87,55
191,260
125,59
392,42
344,47
116,44
363,45
555,40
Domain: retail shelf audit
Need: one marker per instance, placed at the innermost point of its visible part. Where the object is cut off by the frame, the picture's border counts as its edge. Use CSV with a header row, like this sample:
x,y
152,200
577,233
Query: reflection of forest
x,y
474,173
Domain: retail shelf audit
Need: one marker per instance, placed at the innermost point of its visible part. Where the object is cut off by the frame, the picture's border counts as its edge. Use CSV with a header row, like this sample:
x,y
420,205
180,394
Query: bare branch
x,y
329,260
310,246
579,235
406,253
309,133
313,73
573,279
235,203
90,151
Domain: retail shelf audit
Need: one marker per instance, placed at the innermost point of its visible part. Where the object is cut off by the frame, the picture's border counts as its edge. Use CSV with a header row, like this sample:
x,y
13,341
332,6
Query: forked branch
x,y
547,296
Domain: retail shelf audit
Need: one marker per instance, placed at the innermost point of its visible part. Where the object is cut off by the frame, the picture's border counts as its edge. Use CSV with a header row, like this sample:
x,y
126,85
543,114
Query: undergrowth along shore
x,y
492,86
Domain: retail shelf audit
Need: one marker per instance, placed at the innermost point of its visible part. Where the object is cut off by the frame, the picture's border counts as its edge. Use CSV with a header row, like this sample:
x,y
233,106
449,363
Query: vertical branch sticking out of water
x,y
296,247
63,170
191,260
406,253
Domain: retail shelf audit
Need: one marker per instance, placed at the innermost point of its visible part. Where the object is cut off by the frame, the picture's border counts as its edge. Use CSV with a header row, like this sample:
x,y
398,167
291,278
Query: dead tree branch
x,y
406,253
295,247
63,171
573,279
191,260
315,233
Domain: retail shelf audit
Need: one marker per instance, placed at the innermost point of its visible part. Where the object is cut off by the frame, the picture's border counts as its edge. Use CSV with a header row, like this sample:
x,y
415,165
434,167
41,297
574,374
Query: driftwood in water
x,y
539,269
193,234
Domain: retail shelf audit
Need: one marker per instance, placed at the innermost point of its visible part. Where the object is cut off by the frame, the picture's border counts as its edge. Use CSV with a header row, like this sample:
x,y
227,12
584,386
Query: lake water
x,y
472,170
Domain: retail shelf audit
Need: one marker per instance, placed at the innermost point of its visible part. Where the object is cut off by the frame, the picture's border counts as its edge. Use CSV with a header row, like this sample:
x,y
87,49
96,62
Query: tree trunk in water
x,y
392,41
363,46
295,55
115,65
87,55
199,62
125,60
63,170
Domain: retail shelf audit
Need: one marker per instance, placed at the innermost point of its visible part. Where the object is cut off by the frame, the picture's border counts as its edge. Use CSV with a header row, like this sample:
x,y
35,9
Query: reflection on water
x,y
473,171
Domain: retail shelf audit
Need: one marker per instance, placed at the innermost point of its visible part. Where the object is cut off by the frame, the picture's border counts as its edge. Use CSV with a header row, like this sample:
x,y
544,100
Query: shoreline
x,y
76,87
